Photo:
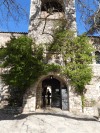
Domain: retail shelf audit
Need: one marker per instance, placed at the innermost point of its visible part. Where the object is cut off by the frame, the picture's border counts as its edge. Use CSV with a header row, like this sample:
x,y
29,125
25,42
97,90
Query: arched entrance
x,y
60,91
52,91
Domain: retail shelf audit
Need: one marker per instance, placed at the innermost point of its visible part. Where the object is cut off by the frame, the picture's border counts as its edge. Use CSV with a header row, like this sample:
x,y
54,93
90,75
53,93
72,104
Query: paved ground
x,y
48,121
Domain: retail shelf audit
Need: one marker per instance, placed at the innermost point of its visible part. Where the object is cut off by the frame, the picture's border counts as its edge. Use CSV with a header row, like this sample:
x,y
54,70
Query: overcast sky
x,y
23,25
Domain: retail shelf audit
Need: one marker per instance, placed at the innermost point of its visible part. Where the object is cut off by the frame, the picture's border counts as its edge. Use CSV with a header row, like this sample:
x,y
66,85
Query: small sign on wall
x,y
57,90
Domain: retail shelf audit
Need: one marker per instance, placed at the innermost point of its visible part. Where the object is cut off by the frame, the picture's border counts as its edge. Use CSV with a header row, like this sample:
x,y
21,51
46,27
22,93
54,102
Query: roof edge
x,y
15,32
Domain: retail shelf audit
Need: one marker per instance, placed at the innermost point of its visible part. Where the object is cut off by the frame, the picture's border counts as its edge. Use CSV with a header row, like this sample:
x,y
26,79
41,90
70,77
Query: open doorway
x,y
51,93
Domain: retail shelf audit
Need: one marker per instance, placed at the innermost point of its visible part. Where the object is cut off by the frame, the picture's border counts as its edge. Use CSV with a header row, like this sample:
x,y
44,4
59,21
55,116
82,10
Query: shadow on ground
x,y
4,116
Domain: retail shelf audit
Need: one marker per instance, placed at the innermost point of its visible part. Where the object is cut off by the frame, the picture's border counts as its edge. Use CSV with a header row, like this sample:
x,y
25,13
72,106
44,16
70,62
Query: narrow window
x,y
1,58
98,57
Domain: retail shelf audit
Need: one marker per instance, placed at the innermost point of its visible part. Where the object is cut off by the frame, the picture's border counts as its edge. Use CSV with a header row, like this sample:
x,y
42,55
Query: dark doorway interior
x,y
51,93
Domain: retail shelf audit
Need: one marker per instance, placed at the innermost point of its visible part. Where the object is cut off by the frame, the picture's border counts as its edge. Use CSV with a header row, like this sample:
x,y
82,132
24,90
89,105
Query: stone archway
x,y
60,92
32,99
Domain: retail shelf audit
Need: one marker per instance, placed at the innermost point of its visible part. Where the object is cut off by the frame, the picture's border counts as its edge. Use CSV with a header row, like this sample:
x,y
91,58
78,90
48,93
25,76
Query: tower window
x,y
52,7
98,57
1,58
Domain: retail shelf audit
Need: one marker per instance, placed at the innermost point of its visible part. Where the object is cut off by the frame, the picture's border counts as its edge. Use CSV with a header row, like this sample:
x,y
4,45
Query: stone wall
x,y
29,99
5,36
92,94
91,111
93,90
75,102
12,110
3,95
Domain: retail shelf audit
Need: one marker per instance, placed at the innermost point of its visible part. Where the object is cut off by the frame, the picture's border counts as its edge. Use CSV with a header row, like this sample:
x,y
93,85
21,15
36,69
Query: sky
x,y
23,24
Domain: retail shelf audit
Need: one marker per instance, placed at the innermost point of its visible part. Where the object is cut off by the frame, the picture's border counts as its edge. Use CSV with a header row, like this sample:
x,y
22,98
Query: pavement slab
x,y
49,120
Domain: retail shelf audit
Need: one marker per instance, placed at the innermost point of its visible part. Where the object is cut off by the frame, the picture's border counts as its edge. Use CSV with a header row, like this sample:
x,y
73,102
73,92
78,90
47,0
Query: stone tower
x,y
43,14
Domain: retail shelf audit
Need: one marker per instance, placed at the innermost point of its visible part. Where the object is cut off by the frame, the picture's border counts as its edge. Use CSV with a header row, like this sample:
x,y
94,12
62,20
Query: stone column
x,y
75,104
29,99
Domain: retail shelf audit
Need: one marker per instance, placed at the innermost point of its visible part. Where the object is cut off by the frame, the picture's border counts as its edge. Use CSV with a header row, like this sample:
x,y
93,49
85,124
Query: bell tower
x,y
43,14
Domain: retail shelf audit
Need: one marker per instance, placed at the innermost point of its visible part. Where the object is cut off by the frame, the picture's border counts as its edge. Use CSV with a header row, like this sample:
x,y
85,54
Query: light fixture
x,y
51,77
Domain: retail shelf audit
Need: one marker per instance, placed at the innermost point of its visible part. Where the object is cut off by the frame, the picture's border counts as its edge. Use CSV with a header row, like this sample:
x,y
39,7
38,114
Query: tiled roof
x,y
14,32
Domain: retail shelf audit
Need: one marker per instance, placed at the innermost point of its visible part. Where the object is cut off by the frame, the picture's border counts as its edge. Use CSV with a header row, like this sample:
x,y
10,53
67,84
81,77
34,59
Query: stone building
x,y
53,89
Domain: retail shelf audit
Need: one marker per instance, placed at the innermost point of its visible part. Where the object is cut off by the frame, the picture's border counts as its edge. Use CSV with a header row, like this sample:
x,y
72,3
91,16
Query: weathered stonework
x,y
29,99
12,110
32,98
5,36
40,29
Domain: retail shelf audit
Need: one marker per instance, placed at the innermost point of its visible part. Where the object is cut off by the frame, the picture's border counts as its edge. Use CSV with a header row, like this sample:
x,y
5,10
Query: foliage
x,y
92,102
76,52
83,99
23,63
93,23
25,67
12,9
14,98
87,103
89,11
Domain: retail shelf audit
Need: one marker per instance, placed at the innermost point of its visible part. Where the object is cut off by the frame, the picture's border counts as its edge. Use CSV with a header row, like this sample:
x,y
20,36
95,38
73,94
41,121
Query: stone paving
x,y
51,120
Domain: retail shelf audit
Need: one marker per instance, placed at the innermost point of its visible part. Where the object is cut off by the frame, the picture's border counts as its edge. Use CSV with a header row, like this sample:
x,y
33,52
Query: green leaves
x,y
25,67
76,53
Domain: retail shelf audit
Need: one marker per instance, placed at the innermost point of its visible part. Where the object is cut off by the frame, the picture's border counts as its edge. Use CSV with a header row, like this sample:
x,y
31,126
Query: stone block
x,y
32,109
26,106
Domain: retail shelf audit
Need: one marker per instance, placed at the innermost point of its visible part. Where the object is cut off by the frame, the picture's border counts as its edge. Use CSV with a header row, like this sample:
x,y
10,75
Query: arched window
x,y
98,57
1,56
52,7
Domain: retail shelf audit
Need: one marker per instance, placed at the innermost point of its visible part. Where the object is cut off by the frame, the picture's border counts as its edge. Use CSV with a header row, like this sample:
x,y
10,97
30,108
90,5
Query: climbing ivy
x,y
76,53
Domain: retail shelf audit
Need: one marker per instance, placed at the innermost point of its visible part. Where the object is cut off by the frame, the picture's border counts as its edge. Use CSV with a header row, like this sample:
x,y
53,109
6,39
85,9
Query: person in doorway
x,y
48,93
